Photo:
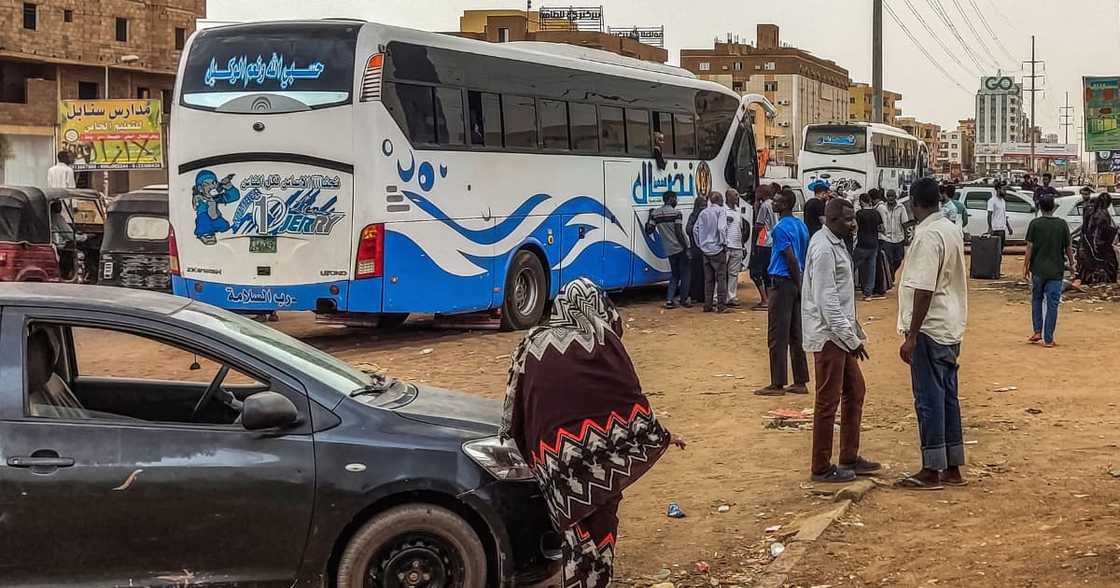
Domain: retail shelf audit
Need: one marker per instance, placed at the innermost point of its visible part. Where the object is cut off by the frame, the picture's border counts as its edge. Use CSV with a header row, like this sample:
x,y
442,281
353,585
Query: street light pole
x,y
877,61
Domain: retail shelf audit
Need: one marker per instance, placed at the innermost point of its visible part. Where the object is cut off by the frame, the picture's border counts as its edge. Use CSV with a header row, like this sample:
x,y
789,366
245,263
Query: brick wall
x,y
40,109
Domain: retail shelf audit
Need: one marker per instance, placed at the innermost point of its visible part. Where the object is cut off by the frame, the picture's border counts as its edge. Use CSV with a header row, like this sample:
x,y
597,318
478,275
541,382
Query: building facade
x,y
804,88
928,133
502,26
999,119
53,50
859,104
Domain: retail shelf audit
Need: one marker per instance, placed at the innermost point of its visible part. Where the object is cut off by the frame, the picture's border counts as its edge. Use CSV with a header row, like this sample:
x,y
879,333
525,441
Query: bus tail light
x,y
172,252
371,252
371,79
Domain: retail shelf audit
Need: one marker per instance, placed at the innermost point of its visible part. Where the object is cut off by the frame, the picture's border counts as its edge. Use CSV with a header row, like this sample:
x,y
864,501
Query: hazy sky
x,y
1074,37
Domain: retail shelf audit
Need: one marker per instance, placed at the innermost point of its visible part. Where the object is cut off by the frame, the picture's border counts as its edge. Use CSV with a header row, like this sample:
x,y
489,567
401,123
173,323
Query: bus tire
x,y
526,292
392,320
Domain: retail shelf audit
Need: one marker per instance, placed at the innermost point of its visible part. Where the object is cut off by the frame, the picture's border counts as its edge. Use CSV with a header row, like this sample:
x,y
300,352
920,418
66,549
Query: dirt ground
x,y
1041,509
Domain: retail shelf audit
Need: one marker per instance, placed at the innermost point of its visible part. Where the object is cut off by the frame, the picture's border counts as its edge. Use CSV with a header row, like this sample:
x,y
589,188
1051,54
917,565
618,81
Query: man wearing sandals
x,y
932,310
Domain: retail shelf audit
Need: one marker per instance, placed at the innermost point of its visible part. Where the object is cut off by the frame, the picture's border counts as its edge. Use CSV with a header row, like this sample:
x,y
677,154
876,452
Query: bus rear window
x,y
312,63
836,141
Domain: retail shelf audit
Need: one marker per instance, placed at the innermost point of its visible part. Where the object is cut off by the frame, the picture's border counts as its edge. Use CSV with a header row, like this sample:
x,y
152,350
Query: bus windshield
x,y
836,140
312,63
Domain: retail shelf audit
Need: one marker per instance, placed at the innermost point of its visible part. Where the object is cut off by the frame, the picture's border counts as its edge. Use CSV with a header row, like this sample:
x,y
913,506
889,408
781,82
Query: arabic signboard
x,y
1041,150
572,18
1102,114
112,134
649,35
1108,161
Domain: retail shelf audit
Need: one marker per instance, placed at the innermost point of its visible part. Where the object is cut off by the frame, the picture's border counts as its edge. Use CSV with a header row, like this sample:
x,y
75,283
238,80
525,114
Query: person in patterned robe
x,y
576,411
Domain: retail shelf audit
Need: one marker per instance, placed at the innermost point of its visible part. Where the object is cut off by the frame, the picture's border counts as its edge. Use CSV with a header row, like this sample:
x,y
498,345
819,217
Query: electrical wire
x,y
979,37
944,16
922,48
937,38
988,26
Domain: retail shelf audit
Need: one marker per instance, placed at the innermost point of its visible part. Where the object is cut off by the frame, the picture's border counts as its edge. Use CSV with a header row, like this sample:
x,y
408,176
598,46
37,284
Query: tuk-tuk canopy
x,y
24,215
135,223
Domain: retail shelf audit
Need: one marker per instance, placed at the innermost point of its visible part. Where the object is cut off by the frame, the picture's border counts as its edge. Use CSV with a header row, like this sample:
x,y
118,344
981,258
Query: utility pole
x,y
877,61
1065,117
1034,62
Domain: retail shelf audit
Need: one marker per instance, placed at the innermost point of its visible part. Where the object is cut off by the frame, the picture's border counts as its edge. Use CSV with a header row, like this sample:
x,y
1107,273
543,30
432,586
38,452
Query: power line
x,y
922,48
979,37
937,38
984,21
944,16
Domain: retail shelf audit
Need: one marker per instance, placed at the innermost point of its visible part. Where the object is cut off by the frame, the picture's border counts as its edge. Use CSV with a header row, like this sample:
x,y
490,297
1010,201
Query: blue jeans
x,y
679,277
933,373
866,260
1051,290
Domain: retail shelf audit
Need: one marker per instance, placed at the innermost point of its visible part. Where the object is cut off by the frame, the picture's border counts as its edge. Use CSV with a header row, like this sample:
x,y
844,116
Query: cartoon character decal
x,y
206,196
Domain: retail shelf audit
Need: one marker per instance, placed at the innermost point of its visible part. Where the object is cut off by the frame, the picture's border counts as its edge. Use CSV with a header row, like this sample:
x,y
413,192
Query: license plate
x,y
107,270
262,244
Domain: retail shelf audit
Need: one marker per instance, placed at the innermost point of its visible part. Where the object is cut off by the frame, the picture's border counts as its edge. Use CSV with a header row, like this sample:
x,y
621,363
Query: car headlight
x,y
501,459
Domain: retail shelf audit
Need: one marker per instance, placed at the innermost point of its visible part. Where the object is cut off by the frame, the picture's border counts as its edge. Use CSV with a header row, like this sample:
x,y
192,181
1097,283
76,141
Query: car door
x,y
98,498
1020,213
976,203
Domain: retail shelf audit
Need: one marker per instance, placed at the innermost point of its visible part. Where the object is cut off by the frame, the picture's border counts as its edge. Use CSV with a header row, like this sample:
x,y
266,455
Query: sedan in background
x,y
1020,211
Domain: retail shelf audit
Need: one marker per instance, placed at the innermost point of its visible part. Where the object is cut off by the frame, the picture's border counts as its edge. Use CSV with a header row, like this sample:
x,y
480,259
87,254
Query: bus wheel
x,y
526,293
391,321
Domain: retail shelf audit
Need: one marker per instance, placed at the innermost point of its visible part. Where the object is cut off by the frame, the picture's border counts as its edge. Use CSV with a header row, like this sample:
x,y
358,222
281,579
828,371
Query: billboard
x,y
1041,150
1108,161
571,18
1102,113
112,134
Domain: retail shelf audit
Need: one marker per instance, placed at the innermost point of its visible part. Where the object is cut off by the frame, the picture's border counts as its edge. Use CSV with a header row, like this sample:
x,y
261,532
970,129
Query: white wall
x,y
31,157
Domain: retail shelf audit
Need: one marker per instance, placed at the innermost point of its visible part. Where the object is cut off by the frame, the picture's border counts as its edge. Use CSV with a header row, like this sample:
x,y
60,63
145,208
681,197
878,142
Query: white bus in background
x,y
854,158
365,171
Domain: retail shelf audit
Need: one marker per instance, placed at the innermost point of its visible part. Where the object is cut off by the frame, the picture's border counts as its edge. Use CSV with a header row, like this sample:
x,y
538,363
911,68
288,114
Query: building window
x,y
738,66
30,16
67,15
503,35
143,93
704,65
737,86
122,29
180,38
88,91
770,86
769,66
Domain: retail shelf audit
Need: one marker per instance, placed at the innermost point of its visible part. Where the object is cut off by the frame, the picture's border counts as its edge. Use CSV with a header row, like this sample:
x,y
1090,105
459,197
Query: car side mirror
x,y
268,410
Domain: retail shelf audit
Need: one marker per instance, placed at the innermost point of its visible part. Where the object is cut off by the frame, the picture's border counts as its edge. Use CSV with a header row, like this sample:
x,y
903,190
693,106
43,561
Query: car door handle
x,y
40,462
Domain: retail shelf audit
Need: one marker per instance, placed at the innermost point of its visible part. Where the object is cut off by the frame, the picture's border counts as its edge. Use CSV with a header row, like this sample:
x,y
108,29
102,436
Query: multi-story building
x,y
859,104
53,50
804,88
999,119
501,26
967,128
928,133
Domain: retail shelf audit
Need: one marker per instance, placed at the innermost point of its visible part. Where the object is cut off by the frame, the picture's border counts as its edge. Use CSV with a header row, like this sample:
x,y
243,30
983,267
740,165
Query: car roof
x,y
88,297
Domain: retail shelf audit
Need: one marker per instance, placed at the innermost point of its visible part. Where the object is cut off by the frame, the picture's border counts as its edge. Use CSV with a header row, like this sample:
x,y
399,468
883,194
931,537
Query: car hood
x,y
445,408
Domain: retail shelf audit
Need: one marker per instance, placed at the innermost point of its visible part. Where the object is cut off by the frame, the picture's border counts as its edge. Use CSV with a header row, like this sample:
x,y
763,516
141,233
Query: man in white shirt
x,y
932,312
737,237
892,240
61,175
998,224
832,333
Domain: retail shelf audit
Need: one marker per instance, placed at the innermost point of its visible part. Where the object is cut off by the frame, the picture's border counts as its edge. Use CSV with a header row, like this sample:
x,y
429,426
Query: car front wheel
x,y
414,546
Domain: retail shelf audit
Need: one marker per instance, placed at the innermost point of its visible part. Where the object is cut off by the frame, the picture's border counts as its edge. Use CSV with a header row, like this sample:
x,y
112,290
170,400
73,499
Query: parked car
x,y
266,462
1020,211
134,251
798,191
1070,208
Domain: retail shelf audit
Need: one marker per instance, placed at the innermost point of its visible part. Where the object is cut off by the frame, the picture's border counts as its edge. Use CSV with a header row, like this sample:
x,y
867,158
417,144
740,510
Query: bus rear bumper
x,y
329,296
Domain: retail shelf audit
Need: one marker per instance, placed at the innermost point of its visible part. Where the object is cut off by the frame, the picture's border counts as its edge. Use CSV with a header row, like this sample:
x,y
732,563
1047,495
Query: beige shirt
x,y
935,262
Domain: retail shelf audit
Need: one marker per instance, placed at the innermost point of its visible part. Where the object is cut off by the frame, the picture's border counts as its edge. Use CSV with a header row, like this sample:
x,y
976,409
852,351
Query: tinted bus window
x,y
638,140
519,118
449,117
663,123
310,63
715,112
839,140
414,110
585,127
684,135
485,119
554,124
612,130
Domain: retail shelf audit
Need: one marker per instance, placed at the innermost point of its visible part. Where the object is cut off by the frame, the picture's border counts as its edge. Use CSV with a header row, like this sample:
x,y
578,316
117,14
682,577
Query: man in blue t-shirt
x,y
787,260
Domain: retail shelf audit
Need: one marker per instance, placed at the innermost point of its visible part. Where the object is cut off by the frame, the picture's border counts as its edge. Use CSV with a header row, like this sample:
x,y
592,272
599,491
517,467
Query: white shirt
x,y
60,176
998,207
828,295
735,227
893,219
935,263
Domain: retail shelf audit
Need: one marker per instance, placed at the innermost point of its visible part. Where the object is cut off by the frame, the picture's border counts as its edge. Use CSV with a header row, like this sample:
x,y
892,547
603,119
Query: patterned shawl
x,y
575,408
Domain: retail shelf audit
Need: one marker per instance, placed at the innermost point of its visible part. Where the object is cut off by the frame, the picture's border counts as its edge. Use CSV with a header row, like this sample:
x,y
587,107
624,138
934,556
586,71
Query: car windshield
x,y
324,367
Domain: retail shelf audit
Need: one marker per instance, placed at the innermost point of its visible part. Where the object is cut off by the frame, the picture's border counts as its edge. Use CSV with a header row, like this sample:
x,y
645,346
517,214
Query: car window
x,y
147,228
83,373
1018,204
977,200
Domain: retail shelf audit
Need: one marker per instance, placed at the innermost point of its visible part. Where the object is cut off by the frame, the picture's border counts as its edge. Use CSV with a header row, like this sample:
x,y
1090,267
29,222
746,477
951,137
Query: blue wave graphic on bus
x,y
241,70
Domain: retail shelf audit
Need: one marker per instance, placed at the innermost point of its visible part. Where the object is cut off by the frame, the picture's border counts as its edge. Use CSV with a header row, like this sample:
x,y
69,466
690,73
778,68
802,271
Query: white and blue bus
x,y
856,157
359,170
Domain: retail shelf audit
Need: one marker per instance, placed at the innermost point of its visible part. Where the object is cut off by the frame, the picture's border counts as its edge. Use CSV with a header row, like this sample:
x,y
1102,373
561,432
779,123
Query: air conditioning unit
x,y
783,103
783,124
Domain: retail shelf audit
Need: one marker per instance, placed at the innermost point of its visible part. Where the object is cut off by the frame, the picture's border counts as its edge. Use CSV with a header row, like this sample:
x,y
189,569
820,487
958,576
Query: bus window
x,y
519,116
638,139
449,117
485,119
715,112
612,129
554,124
663,123
584,127
414,110
684,138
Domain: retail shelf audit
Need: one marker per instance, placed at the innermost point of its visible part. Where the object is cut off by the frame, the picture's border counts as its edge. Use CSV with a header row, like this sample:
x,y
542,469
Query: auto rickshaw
x,y
134,252
26,251
77,221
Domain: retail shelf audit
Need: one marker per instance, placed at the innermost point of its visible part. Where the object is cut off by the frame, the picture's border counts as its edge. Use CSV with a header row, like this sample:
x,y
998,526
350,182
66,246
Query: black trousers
x,y
783,333
715,279
1002,239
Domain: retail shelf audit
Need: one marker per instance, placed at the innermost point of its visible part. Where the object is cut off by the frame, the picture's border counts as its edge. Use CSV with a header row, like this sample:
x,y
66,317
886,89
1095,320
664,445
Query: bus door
x,y
616,222
742,172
